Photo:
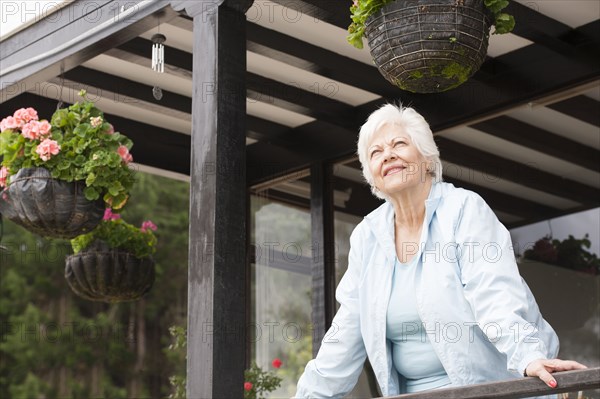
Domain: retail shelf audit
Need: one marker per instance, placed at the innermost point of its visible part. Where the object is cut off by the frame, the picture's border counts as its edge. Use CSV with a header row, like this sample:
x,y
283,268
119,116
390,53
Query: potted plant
x,y
58,176
113,262
426,46
257,382
553,266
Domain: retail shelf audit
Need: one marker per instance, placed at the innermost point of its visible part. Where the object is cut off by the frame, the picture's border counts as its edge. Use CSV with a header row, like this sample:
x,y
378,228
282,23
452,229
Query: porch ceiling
x,y
524,132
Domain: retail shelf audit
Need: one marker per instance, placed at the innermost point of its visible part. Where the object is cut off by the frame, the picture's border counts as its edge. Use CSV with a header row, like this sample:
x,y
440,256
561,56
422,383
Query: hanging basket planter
x,y
426,46
49,207
104,274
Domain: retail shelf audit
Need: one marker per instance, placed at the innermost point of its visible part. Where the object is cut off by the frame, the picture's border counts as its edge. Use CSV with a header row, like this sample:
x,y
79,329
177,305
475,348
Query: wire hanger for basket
x,y
62,85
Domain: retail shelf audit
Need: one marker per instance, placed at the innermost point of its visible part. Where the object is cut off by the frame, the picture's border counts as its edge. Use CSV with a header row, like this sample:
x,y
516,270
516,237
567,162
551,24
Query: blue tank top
x,y
412,353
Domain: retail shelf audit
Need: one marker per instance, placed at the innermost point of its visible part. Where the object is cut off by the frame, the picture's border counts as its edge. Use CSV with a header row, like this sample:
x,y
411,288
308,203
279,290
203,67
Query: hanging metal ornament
x,y
158,52
157,93
158,61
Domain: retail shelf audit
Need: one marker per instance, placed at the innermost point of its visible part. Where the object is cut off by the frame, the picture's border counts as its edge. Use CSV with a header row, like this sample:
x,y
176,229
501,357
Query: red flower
x,y
247,386
276,363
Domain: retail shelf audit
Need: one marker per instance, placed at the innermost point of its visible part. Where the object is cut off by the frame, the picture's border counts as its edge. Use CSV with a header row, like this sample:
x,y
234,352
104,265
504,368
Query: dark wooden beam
x,y
306,56
541,140
524,77
288,96
507,203
262,129
334,12
362,202
124,87
195,7
323,251
520,80
304,145
293,98
155,146
562,212
580,107
497,167
532,24
79,31
217,260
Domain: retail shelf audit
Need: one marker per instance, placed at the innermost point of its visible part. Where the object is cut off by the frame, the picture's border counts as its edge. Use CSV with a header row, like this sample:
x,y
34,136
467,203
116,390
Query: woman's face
x,y
394,161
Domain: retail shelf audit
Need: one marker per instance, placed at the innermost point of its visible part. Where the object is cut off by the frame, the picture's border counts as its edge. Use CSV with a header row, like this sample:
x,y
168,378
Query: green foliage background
x,y
54,344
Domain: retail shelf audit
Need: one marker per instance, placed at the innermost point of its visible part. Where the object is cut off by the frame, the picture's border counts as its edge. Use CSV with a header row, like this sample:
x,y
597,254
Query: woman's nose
x,y
388,154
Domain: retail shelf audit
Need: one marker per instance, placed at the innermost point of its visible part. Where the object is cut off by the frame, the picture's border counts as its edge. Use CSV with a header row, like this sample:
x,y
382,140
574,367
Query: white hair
x,y
413,124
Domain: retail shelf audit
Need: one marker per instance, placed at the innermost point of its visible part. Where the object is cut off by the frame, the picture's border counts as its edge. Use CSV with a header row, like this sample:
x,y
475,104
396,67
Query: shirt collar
x,y
381,220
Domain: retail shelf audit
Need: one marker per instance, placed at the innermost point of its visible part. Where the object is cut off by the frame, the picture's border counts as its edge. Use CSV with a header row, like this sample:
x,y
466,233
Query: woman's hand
x,y
543,368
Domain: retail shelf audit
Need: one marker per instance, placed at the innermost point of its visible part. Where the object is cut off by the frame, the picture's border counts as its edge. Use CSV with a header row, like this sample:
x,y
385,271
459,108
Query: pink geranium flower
x,y
9,123
3,176
30,130
247,386
33,130
124,153
47,148
276,362
108,215
148,225
44,127
25,115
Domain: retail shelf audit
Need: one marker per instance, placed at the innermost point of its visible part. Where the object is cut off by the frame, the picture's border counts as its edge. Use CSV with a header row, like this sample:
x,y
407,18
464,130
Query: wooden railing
x,y
568,381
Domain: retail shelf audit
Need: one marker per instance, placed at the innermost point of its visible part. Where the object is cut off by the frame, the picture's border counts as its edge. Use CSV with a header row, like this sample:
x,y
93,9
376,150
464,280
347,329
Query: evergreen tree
x,y
55,344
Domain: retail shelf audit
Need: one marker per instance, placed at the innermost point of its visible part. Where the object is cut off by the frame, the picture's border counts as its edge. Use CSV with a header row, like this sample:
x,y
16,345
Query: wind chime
x,y
158,60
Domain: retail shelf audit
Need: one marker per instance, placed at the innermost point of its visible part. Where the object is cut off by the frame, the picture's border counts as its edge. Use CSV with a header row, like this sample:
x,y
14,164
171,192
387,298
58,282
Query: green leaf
x,y
79,160
91,194
90,179
504,24
64,165
82,129
59,119
115,188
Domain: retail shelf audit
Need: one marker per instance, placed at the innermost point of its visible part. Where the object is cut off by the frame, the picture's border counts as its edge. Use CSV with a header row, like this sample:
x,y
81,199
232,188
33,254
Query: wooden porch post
x,y
216,277
323,259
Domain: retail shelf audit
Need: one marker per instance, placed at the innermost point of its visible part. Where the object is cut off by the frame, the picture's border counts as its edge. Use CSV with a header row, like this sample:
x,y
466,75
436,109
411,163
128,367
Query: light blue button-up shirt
x,y
479,314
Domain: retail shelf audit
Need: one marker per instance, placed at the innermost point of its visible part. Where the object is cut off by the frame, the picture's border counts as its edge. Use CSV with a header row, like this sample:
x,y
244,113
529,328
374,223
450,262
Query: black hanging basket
x,y
104,274
426,46
49,207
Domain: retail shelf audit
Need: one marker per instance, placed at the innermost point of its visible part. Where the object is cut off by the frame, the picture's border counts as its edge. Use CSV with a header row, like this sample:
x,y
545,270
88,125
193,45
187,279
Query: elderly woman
x,y
432,294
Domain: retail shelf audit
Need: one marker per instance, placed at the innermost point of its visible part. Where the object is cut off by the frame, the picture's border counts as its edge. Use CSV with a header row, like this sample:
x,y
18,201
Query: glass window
x,y
280,323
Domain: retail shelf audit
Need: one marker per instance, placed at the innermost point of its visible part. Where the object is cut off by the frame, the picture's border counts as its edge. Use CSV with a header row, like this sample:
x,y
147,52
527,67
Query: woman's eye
x,y
374,152
397,143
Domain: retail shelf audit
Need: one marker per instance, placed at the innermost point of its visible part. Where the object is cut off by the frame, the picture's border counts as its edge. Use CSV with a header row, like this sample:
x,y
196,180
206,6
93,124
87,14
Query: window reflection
x,y
280,325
